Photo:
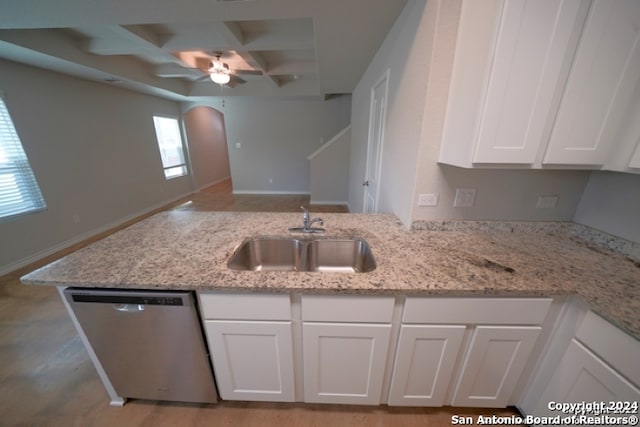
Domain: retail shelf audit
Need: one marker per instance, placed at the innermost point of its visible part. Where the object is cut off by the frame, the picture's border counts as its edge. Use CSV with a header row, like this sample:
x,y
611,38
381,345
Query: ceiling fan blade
x,y
248,72
235,80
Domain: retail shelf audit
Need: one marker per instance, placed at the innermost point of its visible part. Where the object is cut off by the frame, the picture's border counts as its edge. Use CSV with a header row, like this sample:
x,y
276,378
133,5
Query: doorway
x,y
208,149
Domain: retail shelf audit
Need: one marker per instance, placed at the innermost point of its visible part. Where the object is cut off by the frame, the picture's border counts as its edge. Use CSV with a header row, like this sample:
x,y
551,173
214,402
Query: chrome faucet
x,y
307,223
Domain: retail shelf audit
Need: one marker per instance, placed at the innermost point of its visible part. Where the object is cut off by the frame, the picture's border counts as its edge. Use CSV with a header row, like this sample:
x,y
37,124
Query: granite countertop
x,y
189,250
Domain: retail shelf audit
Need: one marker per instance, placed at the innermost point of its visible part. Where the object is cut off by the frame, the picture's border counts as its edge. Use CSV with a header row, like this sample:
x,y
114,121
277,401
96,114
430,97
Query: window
x,y
19,191
170,143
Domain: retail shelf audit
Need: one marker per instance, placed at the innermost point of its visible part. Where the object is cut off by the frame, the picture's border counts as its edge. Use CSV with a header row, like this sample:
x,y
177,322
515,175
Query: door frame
x,y
382,79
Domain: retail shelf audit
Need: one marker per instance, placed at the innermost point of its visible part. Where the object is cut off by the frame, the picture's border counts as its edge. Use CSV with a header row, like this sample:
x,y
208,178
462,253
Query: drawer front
x,y
493,311
347,308
245,306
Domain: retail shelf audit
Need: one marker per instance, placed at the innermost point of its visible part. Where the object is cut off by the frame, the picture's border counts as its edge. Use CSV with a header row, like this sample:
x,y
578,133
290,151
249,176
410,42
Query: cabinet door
x,y
493,364
533,45
601,83
344,362
252,360
425,358
582,376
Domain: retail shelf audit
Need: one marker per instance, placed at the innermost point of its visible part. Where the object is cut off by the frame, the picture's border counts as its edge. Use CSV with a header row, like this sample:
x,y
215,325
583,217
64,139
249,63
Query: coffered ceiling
x,y
163,47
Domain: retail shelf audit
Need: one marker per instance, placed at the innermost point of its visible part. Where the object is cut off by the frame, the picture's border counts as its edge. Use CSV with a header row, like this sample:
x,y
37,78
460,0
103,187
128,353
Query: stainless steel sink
x,y
290,254
349,255
267,254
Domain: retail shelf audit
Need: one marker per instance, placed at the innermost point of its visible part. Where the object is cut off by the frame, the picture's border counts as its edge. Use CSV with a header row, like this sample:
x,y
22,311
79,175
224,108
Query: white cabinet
x,y
345,345
493,365
583,377
425,360
543,84
531,46
600,364
502,334
250,341
604,74
344,362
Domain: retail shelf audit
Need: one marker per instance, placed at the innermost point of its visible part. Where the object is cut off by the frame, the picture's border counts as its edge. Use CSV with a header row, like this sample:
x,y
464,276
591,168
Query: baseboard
x,y
328,202
270,193
209,184
84,236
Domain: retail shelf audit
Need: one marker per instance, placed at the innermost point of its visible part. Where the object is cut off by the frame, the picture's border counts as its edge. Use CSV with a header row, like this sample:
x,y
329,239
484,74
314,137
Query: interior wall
x,y
500,194
405,53
333,187
276,135
208,149
94,153
611,203
419,53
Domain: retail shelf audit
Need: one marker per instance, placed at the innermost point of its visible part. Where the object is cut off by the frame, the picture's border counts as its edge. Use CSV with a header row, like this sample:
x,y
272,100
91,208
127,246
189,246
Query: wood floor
x,y
47,379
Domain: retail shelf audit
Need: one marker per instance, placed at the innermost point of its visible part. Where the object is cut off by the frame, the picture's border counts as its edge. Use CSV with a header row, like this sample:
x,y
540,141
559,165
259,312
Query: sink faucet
x,y
307,223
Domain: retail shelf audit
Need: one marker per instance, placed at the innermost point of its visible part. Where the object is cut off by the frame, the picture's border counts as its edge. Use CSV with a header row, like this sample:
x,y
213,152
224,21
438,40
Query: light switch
x,y
238,145
464,197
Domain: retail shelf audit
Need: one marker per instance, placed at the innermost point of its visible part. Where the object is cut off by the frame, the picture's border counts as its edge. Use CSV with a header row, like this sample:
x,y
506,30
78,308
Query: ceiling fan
x,y
220,73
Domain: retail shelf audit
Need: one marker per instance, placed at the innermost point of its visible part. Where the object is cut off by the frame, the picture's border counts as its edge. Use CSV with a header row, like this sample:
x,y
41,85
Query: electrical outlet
x,y
238,145
428,199
75,218
547,202
464,197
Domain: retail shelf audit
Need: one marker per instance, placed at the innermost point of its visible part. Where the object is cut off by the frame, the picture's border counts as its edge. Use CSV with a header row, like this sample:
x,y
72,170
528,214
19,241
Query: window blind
x,y
19,191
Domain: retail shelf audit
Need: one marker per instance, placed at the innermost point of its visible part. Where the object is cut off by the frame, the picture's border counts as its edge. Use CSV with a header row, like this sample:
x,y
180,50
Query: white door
x,y
583,377
493,364
424,364
374,149
344,362
252,360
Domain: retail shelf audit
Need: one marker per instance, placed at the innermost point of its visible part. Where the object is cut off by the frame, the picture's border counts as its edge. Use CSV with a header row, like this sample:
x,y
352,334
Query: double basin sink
x,y
291,254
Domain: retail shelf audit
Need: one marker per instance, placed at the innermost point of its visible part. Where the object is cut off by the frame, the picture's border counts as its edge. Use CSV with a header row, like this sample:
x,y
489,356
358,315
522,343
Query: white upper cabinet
x,y
604,74
531,46
543,84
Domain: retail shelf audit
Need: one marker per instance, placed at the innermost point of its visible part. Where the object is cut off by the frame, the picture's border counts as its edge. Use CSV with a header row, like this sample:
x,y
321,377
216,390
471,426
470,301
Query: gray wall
x,y
419,53
330,171
94,153
208,146
276,137
405,53
611,203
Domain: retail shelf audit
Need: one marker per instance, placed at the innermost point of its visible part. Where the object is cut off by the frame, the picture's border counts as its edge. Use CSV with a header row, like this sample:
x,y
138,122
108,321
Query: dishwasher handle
x,y
128,308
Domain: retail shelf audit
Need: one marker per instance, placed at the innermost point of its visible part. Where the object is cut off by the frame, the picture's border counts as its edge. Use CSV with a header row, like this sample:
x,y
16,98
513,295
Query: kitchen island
x,y
455,313
189,250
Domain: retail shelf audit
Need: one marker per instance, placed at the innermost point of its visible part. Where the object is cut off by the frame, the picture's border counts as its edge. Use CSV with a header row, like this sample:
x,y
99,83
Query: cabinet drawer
x,y
617,348
245,306
347,308
493,311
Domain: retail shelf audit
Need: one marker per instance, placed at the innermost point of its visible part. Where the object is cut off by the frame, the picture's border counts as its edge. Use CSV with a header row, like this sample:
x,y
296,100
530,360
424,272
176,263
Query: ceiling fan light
x,y
220,78
219,72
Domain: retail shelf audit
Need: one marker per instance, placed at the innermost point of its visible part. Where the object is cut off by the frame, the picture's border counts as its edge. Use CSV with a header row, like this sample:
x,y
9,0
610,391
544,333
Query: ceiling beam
x,y
255,59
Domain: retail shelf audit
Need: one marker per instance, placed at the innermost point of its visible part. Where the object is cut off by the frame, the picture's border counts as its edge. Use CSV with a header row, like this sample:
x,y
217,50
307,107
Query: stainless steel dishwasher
x,y
150,343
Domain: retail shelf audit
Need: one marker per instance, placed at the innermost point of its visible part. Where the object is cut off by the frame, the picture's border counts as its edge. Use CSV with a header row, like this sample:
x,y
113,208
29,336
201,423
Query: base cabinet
x,y
250,340
583,376
600,364
493,364
425,360
252,360
344,363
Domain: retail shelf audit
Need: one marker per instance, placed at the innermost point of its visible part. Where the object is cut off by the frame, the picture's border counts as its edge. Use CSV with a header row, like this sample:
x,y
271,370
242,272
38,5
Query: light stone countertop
x,y
189,250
